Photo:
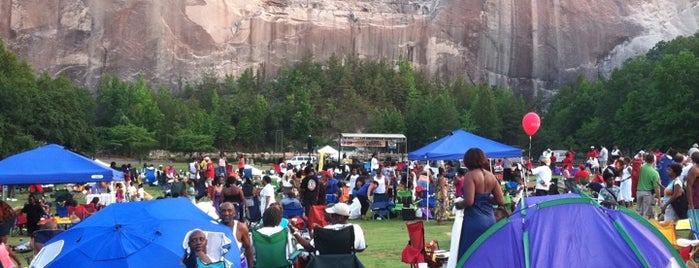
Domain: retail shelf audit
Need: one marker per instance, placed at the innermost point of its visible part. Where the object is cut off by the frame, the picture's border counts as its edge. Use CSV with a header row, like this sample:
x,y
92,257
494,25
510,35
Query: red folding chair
x,y
20,223
317,215
415,251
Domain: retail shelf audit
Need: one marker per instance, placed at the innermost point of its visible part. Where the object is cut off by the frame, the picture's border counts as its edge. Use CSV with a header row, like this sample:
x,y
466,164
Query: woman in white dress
x,y
625,183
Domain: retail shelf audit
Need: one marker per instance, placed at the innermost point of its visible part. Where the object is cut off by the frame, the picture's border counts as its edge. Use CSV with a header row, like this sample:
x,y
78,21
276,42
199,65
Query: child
x,y
119,193
608,195
191,192
343,192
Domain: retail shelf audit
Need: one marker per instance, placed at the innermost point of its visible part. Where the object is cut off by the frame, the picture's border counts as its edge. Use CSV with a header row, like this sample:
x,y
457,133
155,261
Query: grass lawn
x,y
387,238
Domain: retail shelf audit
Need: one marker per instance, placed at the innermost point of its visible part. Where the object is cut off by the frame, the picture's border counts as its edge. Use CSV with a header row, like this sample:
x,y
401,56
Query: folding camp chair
x,y
334,248
254,214
317,215
382,206
20,224
416,251
404,205
270,251
668,229
292,211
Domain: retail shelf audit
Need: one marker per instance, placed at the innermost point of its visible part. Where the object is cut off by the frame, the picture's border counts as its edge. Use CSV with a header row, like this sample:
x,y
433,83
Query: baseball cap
x,y
547,161
341,209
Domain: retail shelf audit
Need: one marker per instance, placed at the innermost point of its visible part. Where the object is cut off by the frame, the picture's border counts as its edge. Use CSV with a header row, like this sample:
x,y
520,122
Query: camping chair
x,y
290,212
20,223
667,228
270,251
415,251
331,190
317,215
382,206
334,248
404,205
254,214
295,216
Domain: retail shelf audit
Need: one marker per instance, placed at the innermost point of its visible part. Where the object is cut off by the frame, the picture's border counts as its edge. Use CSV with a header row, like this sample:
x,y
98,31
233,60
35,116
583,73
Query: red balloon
x,y
531,123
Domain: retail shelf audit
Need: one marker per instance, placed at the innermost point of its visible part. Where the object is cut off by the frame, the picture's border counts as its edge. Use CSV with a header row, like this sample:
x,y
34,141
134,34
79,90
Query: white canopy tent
x,y
330,152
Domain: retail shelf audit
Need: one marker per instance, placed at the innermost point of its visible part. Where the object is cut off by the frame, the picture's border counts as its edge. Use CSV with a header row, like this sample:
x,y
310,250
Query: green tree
x,y
187,141
19,90
674,99
485,114
387,120
131,140
63,114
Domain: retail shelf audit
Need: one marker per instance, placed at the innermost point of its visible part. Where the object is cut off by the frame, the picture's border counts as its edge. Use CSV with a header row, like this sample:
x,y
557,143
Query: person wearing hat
x,y
543,177
339,215
591,154
694,149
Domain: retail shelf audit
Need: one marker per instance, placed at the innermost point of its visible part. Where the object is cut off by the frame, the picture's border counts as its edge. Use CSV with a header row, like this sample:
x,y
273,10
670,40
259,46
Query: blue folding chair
x,y
382,206
290,211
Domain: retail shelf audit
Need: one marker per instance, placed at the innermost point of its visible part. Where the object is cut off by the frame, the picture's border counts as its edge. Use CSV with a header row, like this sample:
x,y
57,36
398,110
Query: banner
x,y
362,143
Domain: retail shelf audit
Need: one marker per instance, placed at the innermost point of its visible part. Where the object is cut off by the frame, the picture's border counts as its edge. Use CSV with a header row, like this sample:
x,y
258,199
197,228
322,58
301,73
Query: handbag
x,y
681,205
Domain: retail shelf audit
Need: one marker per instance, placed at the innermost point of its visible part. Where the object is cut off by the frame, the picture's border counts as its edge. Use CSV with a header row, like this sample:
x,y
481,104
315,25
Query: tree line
x,y
251,112
650,102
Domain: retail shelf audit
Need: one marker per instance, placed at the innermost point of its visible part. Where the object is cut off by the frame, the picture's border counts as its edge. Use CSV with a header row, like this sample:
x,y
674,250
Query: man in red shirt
x,y
592,153
636,171
241,165
568,161
582,174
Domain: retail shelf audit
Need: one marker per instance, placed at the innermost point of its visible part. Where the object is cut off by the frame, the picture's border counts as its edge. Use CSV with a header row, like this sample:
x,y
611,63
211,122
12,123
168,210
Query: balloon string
x,y
526,192
530,148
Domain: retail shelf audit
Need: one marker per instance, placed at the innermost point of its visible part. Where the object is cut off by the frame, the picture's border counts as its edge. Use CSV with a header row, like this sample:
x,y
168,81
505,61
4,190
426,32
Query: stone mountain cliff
x,y
532,46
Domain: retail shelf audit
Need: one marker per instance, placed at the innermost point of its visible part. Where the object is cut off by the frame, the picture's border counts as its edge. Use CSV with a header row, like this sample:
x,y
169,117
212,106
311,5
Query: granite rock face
x,y
531,46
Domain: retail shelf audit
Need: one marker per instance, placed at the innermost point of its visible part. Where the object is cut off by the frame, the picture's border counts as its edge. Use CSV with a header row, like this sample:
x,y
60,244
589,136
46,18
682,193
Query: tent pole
x,y
427,204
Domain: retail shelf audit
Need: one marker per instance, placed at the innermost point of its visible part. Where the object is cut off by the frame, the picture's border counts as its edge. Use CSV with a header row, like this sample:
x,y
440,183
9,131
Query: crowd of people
x,y
648,181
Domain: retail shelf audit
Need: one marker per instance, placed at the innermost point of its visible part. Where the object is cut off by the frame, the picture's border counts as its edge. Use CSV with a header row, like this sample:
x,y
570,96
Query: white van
x,y
297,160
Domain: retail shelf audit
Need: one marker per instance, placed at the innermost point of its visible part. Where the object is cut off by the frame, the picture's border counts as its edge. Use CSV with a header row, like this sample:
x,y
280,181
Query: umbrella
x,y
137,234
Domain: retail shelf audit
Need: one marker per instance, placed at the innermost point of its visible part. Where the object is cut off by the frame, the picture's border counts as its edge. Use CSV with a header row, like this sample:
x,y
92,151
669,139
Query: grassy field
x,y
387,238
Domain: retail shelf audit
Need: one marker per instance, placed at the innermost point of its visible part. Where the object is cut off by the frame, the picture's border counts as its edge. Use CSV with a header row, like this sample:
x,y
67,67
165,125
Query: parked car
x,y
297,160
560,155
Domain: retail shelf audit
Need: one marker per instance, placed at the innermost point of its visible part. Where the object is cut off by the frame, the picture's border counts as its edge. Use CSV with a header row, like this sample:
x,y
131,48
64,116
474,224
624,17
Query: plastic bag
x,y
355,209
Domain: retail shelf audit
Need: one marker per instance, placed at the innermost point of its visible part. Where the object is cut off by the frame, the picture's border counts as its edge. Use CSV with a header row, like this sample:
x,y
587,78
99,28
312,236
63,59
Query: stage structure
x,y
393,143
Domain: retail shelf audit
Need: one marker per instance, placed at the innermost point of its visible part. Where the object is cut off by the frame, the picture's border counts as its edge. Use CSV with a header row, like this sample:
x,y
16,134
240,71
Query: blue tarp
x,y
53,164
454,145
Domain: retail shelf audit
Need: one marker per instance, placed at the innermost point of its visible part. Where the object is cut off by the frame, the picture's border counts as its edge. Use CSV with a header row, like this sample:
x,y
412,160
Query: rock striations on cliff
x,y
532,46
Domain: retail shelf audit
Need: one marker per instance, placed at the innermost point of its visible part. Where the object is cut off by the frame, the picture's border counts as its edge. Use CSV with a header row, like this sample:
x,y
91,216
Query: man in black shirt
x,y
309,190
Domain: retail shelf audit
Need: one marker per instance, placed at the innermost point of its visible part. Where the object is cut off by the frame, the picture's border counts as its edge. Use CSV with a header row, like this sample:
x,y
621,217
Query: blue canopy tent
x,y
53,164
454,145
